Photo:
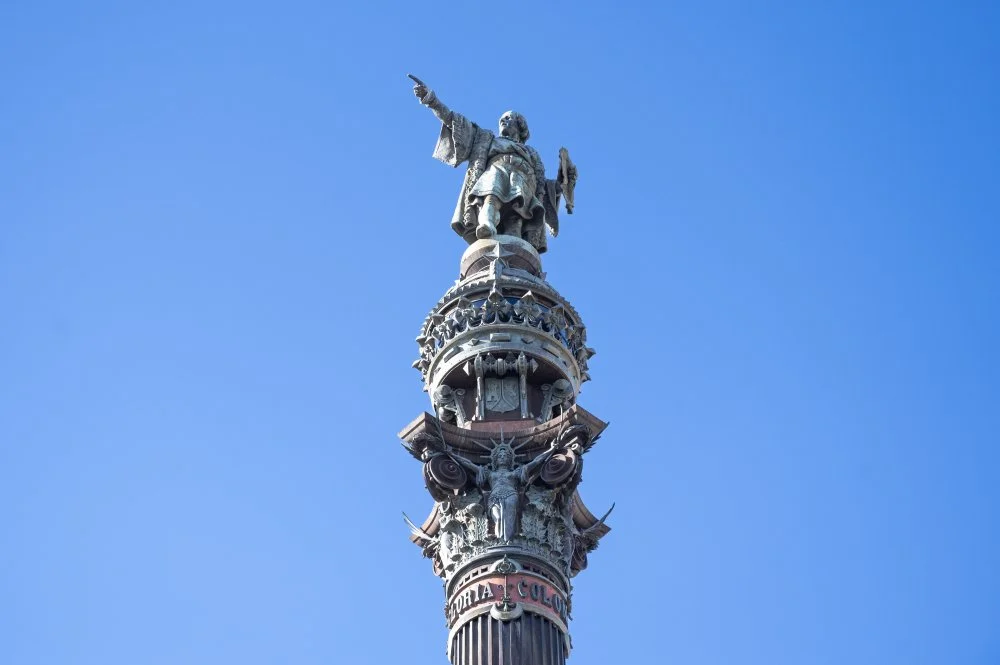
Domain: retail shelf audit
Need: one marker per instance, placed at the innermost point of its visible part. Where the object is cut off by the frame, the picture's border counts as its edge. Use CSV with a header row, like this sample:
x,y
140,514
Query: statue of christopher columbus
x,y
505,191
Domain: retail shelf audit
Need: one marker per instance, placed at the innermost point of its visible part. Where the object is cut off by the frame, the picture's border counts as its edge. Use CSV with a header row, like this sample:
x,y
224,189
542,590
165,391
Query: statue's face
x,y
509,126
503,458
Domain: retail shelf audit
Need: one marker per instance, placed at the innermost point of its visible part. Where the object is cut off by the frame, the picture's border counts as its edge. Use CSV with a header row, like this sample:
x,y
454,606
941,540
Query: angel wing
x,y
418,532
587,539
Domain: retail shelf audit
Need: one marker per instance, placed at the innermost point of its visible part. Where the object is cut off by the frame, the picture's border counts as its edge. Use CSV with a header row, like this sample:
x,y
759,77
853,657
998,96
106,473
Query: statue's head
x,y
514,126
502,456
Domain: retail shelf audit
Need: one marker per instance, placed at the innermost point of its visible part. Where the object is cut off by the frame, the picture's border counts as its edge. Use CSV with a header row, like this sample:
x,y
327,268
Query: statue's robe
x,y
511,171
503,500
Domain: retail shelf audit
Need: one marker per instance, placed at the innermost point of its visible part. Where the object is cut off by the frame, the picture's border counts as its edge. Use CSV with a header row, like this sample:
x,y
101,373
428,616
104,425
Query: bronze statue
x,y
503,482
505,189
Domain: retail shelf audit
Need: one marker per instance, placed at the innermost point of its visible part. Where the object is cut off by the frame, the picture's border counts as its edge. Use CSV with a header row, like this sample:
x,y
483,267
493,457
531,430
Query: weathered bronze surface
x,y
505,189
503,357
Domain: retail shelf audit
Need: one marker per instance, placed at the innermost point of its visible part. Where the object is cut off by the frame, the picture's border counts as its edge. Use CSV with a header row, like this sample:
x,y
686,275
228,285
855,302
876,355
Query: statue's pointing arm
x,y
458,134
430,100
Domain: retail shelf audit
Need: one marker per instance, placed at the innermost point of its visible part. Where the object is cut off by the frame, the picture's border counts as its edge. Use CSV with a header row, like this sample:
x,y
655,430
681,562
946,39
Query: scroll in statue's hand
x,y
567,179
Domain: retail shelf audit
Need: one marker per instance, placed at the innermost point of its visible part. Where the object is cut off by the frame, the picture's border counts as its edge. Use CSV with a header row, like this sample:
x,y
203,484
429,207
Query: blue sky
x,y
221,227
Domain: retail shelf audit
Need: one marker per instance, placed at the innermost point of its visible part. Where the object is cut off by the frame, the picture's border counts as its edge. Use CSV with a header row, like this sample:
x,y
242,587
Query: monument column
x,y
503,356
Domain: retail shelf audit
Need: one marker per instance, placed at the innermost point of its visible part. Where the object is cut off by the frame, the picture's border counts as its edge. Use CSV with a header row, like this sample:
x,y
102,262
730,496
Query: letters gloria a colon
x,y
520,589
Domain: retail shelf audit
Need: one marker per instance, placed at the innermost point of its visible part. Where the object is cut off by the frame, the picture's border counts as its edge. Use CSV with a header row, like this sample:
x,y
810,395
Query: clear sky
x,y
220,230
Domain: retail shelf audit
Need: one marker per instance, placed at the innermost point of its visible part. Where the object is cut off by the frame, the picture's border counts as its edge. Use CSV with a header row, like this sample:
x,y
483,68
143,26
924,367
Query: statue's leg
x,y
510,516
512,226
489,217
496,511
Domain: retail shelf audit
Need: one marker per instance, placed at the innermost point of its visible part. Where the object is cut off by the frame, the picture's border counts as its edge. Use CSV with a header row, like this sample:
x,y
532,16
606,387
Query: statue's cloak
x,y
462,140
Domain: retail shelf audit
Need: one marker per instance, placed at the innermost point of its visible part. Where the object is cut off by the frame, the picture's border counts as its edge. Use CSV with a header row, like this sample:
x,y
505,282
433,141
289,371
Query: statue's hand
x,y
420,88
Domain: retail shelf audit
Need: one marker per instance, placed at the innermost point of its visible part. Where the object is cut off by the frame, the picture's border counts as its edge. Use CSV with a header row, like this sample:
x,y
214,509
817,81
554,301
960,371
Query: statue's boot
x,y
489,217
486,230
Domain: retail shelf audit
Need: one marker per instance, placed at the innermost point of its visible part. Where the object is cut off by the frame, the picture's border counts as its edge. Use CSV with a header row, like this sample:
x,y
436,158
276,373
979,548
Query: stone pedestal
x,y
503,357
